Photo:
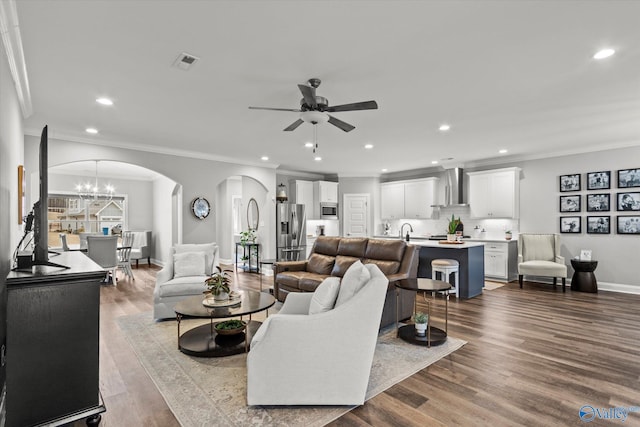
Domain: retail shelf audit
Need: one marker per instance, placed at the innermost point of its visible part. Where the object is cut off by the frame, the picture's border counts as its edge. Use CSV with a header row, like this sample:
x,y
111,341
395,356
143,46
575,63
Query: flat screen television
x,y
40,208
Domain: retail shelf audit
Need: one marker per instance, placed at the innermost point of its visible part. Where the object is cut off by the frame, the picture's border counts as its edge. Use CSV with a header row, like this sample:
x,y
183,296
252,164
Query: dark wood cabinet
x,y
53,321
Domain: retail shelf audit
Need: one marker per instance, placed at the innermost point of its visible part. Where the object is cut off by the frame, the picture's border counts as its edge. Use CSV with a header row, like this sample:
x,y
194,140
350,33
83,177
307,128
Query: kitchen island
x,y
470,255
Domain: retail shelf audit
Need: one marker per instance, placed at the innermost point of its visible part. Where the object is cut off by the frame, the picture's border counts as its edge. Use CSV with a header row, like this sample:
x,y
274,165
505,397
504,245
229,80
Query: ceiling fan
x,y
313,109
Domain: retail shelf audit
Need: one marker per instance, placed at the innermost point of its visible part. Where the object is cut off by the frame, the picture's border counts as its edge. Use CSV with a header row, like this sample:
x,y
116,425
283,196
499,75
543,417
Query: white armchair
x,y
318,359
539,255
141,246
182,276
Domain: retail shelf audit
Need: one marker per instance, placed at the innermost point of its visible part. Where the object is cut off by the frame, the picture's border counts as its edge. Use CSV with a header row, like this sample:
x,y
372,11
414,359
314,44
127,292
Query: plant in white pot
x,y
452,227
508,235
218,284
420,319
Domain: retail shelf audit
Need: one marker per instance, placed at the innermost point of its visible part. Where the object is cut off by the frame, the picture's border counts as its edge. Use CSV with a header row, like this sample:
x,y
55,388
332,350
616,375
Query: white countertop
x,y
419,240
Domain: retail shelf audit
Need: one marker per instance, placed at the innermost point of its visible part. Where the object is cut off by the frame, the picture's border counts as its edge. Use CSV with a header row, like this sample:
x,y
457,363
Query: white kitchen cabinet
x,y
326,191
500,260
392,200
304,196
419,196
408,199
494,193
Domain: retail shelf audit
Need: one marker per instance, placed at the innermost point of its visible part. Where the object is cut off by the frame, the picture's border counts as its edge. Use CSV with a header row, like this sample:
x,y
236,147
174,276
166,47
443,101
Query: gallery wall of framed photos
x,y
600,200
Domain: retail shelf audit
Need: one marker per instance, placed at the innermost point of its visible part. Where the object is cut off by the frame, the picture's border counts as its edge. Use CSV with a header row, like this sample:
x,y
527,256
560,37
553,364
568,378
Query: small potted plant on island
x,y
508,235
452,228
218,284
420,319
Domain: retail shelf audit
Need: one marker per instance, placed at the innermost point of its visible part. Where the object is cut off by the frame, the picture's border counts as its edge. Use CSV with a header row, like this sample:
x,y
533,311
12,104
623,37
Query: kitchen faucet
x,y
402,228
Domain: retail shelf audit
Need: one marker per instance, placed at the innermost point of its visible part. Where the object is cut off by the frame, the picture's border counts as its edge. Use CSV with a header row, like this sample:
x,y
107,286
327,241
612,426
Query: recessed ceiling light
x,y
265,158
604,53
503,151
104,101
385,169
434,162
444,127
317,158
91,130
368,146
309,144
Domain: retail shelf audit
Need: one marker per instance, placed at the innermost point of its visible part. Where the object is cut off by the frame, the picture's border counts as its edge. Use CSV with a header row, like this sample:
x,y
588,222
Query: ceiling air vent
x,y
184,61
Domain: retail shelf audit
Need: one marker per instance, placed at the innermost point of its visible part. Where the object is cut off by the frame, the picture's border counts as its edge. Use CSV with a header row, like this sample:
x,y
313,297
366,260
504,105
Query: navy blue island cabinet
x,y
470,255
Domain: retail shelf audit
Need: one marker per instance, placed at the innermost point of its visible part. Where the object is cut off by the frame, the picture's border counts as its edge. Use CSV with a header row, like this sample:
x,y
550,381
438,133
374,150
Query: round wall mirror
x,y
253,215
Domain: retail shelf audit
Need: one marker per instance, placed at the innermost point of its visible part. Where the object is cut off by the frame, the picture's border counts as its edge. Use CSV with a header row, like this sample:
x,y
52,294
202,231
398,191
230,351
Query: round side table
x,y
583,279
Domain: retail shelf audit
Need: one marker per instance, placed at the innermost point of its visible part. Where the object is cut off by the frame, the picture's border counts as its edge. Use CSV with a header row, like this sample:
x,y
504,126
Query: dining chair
x,y
63,240
103,250
83,238
124,254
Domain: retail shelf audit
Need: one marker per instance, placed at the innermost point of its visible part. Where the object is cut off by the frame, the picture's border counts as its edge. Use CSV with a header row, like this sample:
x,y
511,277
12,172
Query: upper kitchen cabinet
x,y
408,199
326,191
304,195
494,193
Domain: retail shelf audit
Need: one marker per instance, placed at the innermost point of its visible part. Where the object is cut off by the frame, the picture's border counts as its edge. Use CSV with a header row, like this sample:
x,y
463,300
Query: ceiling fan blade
x,y
309,95
342,125
294,125
366,105
295,110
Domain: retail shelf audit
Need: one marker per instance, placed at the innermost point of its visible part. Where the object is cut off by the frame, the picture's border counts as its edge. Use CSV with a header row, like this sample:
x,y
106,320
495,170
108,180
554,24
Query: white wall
x,y
199,177
161,223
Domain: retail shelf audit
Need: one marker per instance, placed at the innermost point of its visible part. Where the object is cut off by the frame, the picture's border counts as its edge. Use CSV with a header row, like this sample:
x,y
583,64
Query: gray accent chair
x,y
539,255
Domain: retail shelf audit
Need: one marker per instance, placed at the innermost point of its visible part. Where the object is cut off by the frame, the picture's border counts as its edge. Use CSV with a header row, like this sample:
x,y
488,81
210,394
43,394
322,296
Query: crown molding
x,y
150,149
12,41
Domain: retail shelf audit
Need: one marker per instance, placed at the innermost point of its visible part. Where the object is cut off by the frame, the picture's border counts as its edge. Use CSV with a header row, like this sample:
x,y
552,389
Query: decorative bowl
x,y
230,327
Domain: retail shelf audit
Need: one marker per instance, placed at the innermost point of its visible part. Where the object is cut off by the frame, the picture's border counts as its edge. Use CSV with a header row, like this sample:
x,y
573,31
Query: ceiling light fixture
x,y
604,53
368,146
434,162
308,144
281,193
91,130
444,127
87,191
104,101
503,151
384,170
317,158
264,158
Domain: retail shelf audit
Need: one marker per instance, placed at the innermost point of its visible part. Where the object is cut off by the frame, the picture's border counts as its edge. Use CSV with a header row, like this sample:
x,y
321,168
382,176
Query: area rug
x,y
212,391
490,286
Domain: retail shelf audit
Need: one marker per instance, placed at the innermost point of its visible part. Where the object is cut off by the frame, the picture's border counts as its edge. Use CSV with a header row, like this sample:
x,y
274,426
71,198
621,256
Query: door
x,y
356,215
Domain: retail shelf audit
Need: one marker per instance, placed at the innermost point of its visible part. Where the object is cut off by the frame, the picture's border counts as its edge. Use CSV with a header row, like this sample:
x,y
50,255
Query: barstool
x,y
445,267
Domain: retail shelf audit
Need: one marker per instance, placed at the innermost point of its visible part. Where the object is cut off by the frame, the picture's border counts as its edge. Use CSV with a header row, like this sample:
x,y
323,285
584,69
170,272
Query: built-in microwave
x,y
328,211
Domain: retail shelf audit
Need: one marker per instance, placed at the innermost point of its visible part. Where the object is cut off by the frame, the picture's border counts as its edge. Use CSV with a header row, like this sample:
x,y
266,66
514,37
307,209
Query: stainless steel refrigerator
x,y
291,232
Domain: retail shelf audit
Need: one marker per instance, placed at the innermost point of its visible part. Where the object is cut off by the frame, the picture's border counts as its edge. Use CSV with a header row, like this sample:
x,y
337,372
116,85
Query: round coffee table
x,y
583,279
434,336
203,341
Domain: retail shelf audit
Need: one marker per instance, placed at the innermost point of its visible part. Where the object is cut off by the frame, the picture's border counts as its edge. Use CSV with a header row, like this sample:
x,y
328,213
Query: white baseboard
x,y
602,286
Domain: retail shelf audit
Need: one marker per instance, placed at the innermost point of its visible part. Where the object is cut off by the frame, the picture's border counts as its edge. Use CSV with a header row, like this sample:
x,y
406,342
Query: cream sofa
x,y
323,358
183,275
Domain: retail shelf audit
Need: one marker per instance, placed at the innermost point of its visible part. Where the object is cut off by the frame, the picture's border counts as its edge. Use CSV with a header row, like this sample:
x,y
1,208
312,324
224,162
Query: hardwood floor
x,y
534,357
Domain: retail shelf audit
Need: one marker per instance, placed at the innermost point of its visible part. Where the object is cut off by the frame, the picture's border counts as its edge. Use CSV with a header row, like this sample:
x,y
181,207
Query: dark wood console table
x,y
53,335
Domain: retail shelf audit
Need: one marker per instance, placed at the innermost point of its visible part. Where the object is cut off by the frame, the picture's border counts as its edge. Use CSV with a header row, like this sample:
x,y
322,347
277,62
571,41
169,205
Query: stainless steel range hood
x,y
454,189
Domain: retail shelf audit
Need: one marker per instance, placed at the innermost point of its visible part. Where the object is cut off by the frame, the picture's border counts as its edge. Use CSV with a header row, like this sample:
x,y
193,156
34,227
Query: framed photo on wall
x,y
570,182
628,201
628,224
600,202
598,224
599,180
571,224
628,178
570,203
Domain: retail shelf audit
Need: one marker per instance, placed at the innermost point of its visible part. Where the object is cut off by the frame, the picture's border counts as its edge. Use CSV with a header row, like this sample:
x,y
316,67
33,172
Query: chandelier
x,y
89,191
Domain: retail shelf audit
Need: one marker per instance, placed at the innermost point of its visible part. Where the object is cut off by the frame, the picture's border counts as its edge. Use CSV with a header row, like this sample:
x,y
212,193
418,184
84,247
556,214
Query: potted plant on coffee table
x,y
420,319
218,284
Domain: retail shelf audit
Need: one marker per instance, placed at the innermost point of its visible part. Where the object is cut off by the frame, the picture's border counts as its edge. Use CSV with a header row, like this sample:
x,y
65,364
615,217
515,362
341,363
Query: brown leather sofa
x,y
332,256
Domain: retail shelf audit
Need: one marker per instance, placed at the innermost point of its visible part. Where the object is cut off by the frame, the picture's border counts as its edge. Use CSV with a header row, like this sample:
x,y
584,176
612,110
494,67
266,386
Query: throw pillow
x,y
188,264
324,297
354,279
209,249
